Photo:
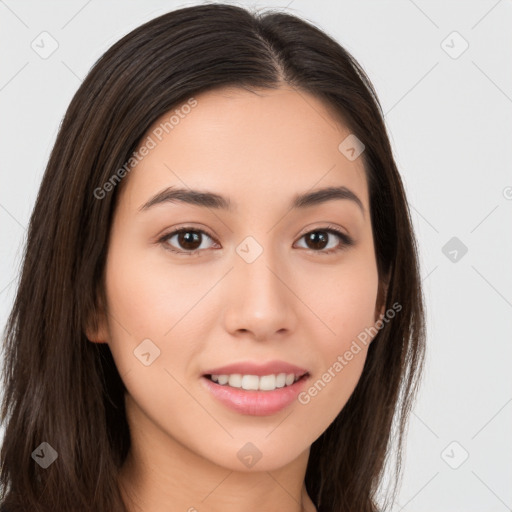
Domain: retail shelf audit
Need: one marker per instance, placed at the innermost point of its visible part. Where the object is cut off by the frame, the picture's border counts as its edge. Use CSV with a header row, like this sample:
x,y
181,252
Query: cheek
x,y
328,392
146,320
149,300
345,302
145,295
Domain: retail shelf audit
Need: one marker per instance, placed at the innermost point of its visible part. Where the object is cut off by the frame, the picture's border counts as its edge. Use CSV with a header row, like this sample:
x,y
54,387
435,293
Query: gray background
x,y
449,115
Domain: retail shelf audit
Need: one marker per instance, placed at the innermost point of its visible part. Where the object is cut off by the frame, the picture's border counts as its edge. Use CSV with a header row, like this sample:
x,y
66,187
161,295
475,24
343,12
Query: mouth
x,y
255,395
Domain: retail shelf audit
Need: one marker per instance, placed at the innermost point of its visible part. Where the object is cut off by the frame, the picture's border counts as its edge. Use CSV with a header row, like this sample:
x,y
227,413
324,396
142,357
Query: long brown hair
x,y
63,390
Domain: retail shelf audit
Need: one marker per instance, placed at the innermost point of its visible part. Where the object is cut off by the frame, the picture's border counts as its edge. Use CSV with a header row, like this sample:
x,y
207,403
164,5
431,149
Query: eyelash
x,y
346,241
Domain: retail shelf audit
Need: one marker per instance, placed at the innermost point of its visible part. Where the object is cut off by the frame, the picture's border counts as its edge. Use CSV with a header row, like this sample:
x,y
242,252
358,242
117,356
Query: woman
x,y
220,303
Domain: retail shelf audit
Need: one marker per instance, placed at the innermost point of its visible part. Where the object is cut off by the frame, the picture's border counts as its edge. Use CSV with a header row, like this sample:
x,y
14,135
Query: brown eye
x,y
318,240
187,240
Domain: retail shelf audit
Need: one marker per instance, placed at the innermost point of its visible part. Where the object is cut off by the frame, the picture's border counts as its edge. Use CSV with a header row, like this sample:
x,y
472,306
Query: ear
x,y
96,329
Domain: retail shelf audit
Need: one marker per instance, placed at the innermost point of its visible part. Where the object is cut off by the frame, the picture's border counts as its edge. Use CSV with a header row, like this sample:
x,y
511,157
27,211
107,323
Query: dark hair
x,y
62,389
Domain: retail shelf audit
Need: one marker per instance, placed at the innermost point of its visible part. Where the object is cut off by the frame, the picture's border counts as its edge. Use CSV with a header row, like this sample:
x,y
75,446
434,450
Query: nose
x,y
260,299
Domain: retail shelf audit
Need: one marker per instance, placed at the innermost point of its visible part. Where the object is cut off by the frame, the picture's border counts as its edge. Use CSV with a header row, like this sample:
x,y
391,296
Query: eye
x,y
318,238
189,240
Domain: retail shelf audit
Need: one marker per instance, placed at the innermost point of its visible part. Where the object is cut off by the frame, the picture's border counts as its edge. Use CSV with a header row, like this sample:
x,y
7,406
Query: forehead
x,y
260,146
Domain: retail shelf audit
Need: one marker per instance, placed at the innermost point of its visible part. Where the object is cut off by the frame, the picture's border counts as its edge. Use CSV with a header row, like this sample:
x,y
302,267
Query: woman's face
x,y
262,281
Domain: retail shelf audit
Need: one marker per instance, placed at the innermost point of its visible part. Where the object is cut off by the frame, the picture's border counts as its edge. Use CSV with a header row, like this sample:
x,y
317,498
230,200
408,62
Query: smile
x,y
255,382
251,401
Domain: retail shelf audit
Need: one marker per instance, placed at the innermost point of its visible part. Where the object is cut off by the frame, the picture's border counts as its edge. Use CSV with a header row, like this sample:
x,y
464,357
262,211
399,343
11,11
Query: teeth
x,y
280,380
222,379
255,383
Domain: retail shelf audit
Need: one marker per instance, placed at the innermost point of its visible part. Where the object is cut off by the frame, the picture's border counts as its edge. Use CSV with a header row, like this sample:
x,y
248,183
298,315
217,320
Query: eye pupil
x,y
314,237
185,238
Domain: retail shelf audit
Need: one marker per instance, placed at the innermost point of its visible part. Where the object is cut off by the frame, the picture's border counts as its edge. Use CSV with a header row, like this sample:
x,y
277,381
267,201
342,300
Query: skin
x,y
214,308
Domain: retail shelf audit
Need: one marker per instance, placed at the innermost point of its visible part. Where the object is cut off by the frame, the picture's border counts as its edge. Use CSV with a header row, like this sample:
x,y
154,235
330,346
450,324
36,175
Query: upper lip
x,y
259,369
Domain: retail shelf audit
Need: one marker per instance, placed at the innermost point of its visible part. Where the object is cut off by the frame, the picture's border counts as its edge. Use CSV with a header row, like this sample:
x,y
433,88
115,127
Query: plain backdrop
x,y
442,71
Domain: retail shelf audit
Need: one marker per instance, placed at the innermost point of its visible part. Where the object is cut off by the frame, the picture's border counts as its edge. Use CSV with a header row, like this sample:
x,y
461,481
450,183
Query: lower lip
x,y
255,403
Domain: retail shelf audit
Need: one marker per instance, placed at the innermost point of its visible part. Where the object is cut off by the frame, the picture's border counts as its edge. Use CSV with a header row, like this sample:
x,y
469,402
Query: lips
x,y
258,369
252,402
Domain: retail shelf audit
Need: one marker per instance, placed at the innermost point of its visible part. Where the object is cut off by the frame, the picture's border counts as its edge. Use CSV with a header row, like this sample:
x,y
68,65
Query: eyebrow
x,y
212,200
